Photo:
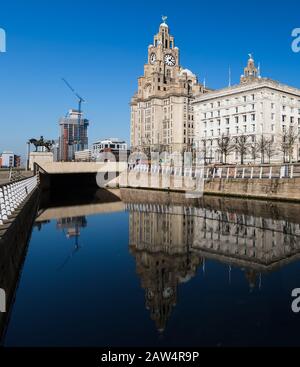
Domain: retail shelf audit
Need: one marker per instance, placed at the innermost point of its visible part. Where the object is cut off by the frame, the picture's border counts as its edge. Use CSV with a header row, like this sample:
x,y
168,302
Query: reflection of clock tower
x,y
161,113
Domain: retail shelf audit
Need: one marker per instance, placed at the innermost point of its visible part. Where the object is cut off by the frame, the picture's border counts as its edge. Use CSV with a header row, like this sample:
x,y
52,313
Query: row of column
x,y
13,195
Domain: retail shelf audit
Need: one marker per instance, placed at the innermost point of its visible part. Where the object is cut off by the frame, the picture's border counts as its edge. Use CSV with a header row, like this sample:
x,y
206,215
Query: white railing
x,y
13,195
223,172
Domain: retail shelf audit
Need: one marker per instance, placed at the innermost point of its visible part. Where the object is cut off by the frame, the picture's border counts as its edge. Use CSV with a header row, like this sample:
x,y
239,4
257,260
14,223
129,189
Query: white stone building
x,y
162,117
110,144
83,155
7,159
256,109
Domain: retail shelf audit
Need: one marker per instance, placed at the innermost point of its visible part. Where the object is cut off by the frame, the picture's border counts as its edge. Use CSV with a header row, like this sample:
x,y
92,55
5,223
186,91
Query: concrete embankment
x,y
282,189
287,189
14,237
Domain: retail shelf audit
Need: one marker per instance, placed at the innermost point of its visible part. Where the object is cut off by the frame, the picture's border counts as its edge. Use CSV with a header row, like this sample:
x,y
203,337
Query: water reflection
x,y
71,226
169,243
189,256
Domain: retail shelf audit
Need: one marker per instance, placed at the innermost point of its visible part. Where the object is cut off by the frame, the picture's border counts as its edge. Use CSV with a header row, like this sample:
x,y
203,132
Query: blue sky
x,y
100,48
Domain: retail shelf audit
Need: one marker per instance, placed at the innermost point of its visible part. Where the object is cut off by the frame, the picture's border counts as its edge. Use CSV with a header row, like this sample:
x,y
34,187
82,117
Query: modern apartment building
x,y
73,135
9,159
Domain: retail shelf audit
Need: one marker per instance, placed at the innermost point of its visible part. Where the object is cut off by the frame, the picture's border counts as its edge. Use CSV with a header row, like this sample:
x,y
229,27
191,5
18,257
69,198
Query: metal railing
x,y
223,172
13,195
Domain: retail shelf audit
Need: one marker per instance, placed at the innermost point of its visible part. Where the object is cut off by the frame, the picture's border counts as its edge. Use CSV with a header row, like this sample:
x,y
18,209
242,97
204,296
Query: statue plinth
x,y
40,158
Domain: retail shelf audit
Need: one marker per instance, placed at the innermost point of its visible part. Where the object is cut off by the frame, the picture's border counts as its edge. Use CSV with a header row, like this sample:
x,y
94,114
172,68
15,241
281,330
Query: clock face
x,y
170,60
153,58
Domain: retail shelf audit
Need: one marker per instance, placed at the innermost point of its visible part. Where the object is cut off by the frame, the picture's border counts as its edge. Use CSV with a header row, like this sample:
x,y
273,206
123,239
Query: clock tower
x,y
161,113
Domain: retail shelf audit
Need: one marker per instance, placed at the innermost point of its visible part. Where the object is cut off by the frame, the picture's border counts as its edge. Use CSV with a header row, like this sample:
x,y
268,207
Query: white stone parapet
x,y
13,195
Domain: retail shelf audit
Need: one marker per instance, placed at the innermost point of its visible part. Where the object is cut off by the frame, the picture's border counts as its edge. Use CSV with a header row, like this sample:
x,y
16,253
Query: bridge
x,y
65,168
79,174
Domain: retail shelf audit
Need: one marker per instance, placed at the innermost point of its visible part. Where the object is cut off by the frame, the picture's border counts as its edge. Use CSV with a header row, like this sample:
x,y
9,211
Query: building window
x,y
253,117
245,118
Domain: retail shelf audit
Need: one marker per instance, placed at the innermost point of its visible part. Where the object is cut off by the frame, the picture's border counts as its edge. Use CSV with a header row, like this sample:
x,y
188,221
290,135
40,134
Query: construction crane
x,y
80,101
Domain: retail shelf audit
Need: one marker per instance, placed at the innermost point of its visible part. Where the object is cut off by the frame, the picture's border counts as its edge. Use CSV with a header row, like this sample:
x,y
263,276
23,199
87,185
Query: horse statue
x,y
42,143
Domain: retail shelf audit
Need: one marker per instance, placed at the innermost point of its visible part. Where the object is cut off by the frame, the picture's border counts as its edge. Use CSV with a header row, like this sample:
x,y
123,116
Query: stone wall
x,y
13,247
271,189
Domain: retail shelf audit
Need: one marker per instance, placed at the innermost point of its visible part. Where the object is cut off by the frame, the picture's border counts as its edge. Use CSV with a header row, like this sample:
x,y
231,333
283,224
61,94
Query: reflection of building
x,y
169,242
160,244
162,117
73,135
245,238
71,226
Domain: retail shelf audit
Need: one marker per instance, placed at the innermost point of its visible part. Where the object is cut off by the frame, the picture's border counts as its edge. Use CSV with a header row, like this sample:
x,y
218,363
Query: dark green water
x,y
165,274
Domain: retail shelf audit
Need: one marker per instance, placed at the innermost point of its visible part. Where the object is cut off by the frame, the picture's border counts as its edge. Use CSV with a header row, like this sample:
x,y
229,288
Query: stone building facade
x,y
162,117
259,109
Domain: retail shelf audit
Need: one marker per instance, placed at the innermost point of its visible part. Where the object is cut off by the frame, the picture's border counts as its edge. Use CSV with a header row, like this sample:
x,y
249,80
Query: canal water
x,y
158,270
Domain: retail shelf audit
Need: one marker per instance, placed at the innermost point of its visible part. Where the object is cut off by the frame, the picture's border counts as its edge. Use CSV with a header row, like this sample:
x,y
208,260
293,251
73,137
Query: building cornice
x,y
242,88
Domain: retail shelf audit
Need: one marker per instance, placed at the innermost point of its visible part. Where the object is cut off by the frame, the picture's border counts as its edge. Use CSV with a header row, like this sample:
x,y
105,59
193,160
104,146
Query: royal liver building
x,y
253,122
162,117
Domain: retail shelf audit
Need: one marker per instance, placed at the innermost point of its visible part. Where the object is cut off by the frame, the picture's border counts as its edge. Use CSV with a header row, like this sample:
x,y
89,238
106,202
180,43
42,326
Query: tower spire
x,y
251,73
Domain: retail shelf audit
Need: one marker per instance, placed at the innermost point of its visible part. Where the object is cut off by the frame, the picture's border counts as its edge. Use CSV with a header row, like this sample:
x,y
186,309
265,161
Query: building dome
x,y
188,73
164,25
